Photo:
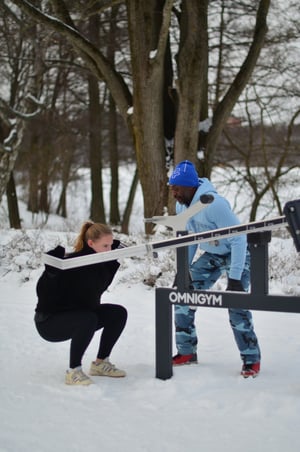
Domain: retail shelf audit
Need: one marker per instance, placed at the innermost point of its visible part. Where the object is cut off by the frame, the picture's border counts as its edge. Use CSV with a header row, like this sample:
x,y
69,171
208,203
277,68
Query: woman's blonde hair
x,y
91,231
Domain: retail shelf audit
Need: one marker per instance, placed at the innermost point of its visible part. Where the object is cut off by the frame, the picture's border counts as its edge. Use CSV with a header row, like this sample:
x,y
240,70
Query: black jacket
x,y
76,288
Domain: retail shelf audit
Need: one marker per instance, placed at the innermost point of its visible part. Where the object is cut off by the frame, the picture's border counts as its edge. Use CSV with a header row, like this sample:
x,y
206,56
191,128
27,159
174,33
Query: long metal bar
x,y
176,242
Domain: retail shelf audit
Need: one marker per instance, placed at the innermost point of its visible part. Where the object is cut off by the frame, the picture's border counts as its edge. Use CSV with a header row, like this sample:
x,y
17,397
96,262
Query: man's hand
x,y
235,285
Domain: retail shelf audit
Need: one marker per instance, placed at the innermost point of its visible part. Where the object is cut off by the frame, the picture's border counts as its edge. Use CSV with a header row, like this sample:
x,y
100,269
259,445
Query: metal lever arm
x,y
178,222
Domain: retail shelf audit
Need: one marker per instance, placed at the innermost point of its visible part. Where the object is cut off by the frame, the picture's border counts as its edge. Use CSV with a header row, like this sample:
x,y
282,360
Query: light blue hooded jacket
x,y
216,215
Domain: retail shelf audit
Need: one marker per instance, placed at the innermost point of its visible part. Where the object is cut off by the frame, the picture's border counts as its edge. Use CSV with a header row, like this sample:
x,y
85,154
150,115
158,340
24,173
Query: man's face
x,y
183,195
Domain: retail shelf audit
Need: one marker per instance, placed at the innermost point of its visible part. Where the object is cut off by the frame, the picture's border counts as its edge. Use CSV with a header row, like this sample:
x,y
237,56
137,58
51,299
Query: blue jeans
x,y
204,273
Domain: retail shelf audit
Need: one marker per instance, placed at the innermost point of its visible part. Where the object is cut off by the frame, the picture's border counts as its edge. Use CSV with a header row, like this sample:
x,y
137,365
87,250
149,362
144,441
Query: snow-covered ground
x,y
207,407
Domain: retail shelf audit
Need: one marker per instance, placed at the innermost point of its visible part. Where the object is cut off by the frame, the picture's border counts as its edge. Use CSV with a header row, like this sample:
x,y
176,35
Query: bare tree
x,y
15,107
114,217
261,145
190,61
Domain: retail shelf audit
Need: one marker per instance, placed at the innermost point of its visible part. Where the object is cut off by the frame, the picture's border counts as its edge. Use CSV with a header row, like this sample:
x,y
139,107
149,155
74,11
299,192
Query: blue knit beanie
x,y
184,175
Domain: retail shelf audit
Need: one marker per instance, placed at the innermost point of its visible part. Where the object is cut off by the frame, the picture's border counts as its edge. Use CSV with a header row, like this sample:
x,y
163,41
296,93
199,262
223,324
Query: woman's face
x,y
101,245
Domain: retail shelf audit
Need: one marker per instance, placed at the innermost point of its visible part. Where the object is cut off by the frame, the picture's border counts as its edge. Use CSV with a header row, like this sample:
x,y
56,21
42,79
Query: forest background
x,y
96,84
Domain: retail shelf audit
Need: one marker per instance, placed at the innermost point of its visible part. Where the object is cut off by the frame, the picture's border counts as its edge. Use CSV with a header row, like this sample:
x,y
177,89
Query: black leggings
x,y
80,327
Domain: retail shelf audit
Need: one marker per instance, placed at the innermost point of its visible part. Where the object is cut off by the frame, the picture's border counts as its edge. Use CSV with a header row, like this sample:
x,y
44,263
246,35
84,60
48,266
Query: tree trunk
x,y
148,44
129,204
66,168
33,203
114,217
192,70
97,202
12,203
114,164
8,152
95,114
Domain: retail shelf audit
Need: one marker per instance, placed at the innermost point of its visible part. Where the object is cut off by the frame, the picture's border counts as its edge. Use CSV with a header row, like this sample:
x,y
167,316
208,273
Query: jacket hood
x,y
205,186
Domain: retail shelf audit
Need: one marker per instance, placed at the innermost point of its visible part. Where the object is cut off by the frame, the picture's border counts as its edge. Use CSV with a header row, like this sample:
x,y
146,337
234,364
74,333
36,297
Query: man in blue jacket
x,y
228,255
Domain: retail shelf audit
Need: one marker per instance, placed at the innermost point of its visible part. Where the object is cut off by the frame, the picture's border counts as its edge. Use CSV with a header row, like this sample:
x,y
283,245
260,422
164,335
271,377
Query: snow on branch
x,y
205,125
10,139
23,115
38,102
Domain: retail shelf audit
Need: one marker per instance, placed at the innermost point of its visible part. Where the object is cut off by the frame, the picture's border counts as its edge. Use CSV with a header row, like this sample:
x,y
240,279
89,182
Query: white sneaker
x,y
77,377
106,369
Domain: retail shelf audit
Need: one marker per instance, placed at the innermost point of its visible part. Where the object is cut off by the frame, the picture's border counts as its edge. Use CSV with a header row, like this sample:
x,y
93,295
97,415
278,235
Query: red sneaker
x,y
179,360
250,370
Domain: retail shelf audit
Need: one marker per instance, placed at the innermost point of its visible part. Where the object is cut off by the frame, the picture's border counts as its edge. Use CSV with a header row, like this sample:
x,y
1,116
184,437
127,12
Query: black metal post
x,y
163,315
183,275
258,244
163,337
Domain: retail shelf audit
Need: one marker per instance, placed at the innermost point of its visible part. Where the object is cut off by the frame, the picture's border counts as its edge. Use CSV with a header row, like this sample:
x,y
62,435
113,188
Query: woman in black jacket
x,y
69,305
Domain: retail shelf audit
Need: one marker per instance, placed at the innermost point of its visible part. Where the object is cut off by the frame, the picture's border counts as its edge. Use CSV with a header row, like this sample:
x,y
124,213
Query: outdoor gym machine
x,y
258,234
